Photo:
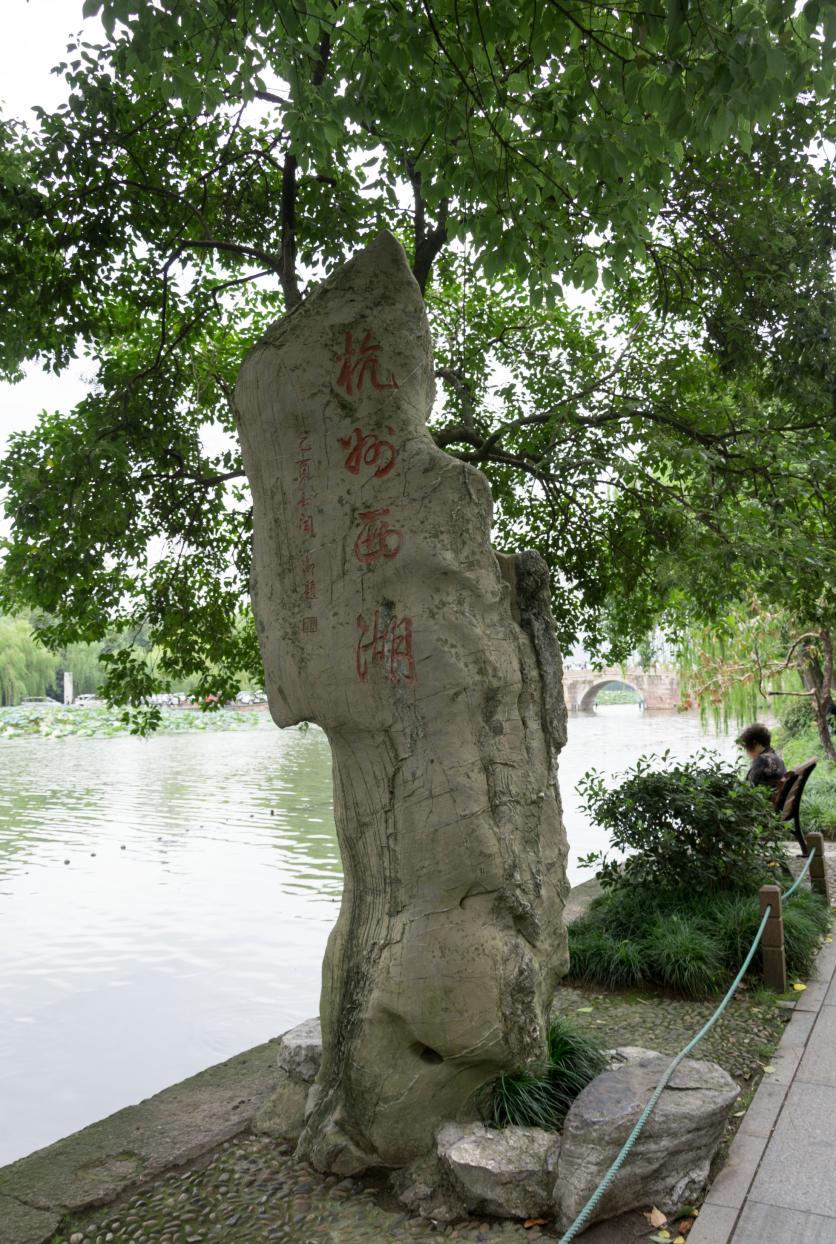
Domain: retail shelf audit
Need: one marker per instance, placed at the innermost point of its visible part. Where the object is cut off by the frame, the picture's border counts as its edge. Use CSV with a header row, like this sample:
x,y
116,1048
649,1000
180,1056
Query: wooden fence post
x,y
772,942
818,870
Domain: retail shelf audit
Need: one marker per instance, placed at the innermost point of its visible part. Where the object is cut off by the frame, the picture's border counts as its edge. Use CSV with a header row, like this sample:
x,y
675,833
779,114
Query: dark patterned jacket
x,y
767,769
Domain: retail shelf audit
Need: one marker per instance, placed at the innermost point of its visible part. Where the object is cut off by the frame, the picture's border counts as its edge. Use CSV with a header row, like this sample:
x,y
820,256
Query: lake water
x,y
164,903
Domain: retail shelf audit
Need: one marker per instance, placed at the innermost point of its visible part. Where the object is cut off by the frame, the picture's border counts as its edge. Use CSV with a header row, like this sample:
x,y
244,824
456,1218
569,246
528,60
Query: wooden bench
x,y
786,798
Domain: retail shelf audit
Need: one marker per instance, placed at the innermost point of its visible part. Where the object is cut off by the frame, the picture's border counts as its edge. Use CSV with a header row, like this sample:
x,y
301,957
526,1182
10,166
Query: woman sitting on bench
x,y
767,767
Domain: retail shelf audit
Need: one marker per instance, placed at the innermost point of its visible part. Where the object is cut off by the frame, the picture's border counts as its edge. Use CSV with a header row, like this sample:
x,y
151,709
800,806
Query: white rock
x,y
508,1173
300,1050
670,1161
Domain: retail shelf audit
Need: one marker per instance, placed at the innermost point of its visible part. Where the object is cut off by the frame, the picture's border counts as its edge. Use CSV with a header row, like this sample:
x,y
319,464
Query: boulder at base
x,y
508,1173
669,1163
298,1059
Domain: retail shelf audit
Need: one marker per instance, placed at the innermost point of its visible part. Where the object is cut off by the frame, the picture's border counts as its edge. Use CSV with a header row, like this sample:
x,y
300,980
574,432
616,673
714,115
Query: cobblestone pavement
x,y
252,1192
740,1041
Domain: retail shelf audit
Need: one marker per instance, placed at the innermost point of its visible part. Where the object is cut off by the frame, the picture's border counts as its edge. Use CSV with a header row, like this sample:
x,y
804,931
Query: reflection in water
x,y
165,903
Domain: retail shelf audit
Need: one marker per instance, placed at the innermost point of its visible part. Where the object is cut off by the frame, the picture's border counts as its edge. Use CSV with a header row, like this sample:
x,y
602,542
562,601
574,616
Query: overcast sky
x,y
34,39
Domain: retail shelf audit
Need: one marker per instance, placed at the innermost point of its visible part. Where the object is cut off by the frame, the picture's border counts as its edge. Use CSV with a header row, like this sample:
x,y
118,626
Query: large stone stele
x,y
670,1161
384,615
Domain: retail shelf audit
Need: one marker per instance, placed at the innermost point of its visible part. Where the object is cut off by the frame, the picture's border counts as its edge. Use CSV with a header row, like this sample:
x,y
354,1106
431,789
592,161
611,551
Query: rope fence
x,y
769,915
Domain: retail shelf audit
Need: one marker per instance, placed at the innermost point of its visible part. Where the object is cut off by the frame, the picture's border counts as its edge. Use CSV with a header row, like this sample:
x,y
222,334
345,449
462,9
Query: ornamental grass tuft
x,y
692,946
540,1095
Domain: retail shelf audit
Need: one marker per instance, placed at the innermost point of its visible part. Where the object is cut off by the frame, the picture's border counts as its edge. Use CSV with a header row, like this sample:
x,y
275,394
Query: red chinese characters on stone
x,y
366,449
360,363
309,575
386,642
376,539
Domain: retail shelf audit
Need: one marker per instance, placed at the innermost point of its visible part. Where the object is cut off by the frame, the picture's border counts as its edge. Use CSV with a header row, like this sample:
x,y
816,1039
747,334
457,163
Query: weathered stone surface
x,y
509,1173
23,1224
670,1161
283,1114
124,1151
425,1187
300,1050
384,615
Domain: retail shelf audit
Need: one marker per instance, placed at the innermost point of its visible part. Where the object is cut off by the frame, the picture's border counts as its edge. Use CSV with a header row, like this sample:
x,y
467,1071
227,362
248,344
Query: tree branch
x,y
428,243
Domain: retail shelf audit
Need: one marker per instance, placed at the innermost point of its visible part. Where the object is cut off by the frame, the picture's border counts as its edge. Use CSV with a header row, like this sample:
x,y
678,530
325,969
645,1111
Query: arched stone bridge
x,y
658,688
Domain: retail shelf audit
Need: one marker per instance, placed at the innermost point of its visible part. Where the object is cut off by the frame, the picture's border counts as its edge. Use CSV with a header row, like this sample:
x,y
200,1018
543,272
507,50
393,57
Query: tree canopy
x,y
213,160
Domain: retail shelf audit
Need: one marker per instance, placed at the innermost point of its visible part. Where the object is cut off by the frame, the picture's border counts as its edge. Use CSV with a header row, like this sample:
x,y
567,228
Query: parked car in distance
x,y
87,700
40,701
244,697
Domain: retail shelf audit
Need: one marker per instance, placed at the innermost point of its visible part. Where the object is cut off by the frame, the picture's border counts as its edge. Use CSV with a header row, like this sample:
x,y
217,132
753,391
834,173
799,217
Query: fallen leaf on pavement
x,y
798,987
655,1217
534,1222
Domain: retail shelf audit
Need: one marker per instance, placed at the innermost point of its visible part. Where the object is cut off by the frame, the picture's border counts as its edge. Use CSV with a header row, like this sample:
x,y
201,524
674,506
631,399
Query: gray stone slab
x,y
818,1064
797,1169
760,1118
813,996
714,1225
731,1185
798,1029
830,996
784,1063
768,1224
22,1224
95,1165
825,965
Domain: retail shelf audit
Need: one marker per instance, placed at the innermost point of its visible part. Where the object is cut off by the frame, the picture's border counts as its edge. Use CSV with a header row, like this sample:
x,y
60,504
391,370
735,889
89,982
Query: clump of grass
x,y
683,954
540,1096
806,920
690,944
598,957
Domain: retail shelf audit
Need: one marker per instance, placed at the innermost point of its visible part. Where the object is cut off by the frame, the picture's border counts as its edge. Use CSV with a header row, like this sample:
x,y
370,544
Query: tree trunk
x,y
817,676
385,617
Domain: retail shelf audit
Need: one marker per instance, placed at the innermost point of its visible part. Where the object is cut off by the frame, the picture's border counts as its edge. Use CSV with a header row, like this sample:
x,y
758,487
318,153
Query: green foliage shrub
x,y
692,947
540,1096
796,718
686,828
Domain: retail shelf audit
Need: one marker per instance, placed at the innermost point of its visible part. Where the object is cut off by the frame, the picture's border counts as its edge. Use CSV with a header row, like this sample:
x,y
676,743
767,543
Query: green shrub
x,y
693,947
806,921
685,828
736,920
598,957
683,954
796,718
540,1096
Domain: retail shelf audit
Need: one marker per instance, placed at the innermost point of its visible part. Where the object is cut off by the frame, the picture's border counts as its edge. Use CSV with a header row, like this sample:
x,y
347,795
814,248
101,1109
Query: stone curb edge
x,y
727,1195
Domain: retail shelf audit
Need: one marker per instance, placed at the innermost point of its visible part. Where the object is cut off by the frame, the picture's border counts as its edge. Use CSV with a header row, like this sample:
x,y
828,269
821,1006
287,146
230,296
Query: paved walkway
x,y
779,1183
